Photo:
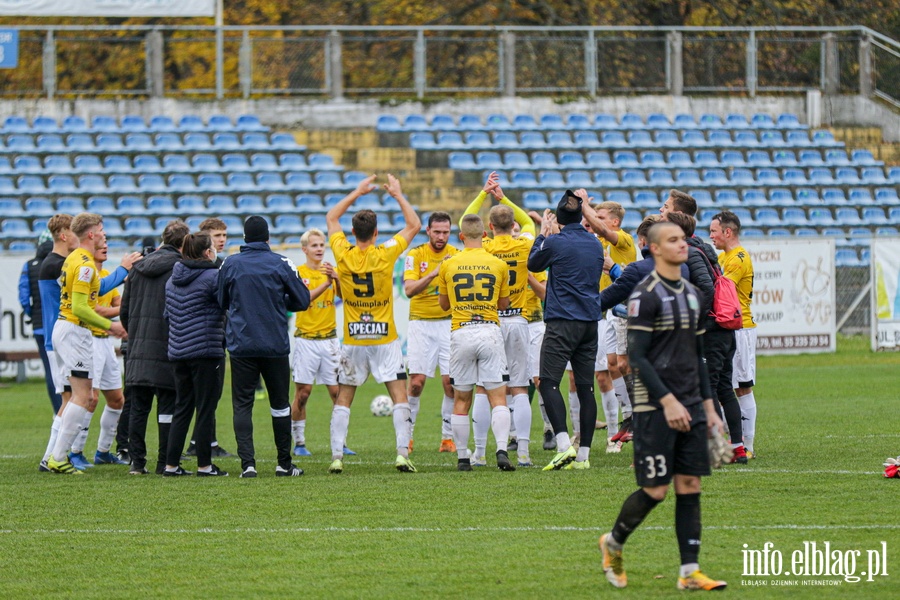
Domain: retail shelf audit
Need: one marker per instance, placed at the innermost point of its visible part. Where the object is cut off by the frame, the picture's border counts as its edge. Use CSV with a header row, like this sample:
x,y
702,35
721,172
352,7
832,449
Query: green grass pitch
x,y
826,424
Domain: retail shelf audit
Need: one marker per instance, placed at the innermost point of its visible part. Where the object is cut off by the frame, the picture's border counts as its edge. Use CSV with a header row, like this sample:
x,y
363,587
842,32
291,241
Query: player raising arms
x,y
428,341
366,272
473,285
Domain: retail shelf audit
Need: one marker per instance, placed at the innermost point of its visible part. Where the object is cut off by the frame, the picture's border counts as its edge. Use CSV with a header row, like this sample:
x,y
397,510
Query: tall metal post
x,y
419,64
220,51
866,79
155,72
831,85
245,64
751,72
335,65
675,67
590,64
49,64
509,63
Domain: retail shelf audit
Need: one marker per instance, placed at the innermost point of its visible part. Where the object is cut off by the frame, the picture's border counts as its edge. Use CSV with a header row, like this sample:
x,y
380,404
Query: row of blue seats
x,y
549,122
778,197
638,178
872,216
714,138
651,159
22,143
171,163
182,183
131,124
130,205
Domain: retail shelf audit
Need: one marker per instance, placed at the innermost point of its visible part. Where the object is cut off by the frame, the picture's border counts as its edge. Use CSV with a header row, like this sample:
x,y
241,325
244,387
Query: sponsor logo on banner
x,y
886,294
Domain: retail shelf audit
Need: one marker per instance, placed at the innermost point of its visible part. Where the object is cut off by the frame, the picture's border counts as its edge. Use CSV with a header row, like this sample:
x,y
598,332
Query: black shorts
x,y
660,451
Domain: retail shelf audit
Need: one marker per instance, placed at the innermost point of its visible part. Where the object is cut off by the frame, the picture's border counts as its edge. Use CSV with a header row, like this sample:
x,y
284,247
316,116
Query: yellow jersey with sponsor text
x,y
474,280
534,311
420,261
514,252
623,253
367,287
79,275
318,322
737,266
104,300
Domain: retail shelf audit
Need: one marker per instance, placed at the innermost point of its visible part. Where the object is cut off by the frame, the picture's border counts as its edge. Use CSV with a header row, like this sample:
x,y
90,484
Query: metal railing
x,y
428,62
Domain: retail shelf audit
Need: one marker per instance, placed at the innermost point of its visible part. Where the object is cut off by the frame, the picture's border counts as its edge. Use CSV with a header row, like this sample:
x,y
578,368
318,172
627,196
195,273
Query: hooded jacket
x,y
143,305
196,321
632,275
703,277
257,288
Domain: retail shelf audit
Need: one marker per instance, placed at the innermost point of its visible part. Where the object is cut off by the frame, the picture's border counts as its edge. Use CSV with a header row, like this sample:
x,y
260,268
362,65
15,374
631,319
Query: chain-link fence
x,y
25,81
852,302
789,64
288,64
632,64
550,64
886,67
715,63
470,64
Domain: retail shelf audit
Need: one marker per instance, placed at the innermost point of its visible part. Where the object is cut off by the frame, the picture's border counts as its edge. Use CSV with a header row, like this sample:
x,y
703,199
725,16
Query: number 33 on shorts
x,y
656,466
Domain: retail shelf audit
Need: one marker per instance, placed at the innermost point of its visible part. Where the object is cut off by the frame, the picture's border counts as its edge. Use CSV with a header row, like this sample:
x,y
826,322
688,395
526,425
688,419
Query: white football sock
x,y
460,426
54,433
575,412
298,431
563,442
611,410
584,453
686,569
446,413
340,423
521,416
72,422
109,423
622,394
546,419
500,420
81,438
481,423
413,413
402,427
512,412
748,419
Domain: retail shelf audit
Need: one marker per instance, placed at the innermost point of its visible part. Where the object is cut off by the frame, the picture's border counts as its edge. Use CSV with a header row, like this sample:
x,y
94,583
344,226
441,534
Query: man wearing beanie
x,y
575,259
257,288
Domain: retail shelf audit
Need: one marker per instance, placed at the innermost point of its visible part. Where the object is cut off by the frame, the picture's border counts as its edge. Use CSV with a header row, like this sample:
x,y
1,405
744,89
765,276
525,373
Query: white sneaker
x,y
525,461
613,447
478,461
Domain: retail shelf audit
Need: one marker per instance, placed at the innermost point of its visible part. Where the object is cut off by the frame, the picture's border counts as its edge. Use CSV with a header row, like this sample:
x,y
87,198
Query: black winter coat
x,y
196,321
702,276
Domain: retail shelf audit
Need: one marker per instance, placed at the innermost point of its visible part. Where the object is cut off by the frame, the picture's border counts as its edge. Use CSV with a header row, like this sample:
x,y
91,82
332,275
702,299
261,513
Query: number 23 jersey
x,y
474,280
367,287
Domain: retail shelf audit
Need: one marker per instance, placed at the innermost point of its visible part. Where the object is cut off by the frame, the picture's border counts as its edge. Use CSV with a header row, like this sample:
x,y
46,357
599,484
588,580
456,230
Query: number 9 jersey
x,y
474,280
367,287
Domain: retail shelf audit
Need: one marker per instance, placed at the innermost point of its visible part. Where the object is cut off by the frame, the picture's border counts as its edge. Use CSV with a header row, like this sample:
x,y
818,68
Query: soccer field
x,y
825,427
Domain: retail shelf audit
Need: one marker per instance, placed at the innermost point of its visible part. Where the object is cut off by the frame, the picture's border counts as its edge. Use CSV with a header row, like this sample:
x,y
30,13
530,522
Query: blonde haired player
x,y
317,353
428,335
371,345
473,285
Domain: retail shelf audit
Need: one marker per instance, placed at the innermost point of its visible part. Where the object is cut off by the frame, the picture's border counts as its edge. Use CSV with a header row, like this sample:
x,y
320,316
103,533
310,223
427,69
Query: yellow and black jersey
x,y
737,266
514,252
533,308
420,261
79,275
623,253
318,322
367,278
474,280
104,300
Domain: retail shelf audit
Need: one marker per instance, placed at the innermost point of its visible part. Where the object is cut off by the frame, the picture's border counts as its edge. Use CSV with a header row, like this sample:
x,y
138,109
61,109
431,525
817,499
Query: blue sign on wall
x,y
9,48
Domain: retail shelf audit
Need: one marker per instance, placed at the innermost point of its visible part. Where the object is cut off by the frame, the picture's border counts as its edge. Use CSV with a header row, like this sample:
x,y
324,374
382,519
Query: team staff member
x,y
366,272
428,335
256,289
575,259
725,232
673,410
72,339
473,285
317,353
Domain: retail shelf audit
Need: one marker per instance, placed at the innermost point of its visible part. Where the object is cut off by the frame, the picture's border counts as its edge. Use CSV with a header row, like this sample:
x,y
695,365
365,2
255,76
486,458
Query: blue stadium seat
x,y
317,222
220,123
250,123
262,161
807,197
768,177
864,158
613,139
759,159
846,257
535,200
275,203
31,184
161,205
6,167
474,139
634,178
578,121
113,228
346,222
307,203
7,186
162,124
92,184
117,163
549,122
191,204
631,121
826,139
354,178
332,199
887,196
848,176
667,139
605,121
130,205
837,158
21,246
789,121
21,143
199,141
736,121
679,159
461,161
687,177
152,183
834,197
530,140
176,163
15,228
598,159
133,124
547,160
139,227
781,197
272,182
27,163
705,158
860,196
767,217
470,123
754,198
442,123
88,163
874,215
516,160
625,159
821,217
710,121
632,220
110,142
661,177
658,121
894,215
795,177
283,141
874,176
785,158
574,179
730,199
732,158
848,216
39,206
684,121
762,121
641,139
61,184
752,232
241,182
693,138
12,207
100,123
799,138
742,178
821,177
449,140
748,139
525,123
811,158
139,141
558,139
586,139
191,123
415,123
288,224
50,142
769,139
251,204
74,124
322,162
779,232
235,162
523,179
887,231
643,199
794,217
122,184
254,141
168,141
226,141
220,204
489,161
497,122
301,182
205,162
181,183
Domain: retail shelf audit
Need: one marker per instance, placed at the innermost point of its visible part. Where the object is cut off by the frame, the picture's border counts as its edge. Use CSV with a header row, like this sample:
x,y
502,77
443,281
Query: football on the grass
x,y
381,406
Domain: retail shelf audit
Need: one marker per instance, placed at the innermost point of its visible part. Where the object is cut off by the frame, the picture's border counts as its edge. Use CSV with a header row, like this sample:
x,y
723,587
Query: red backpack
x,y
726,307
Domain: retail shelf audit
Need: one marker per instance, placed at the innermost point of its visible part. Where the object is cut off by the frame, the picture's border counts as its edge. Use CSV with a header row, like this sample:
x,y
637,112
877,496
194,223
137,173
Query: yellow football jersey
x,y
474,280
104,300
514,252
367,288
737,266
623,254
533,309
318,322
420,261
79,274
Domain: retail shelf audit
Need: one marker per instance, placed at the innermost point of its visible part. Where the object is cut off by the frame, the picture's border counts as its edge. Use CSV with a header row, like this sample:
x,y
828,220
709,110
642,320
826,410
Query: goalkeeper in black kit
x,y
677,432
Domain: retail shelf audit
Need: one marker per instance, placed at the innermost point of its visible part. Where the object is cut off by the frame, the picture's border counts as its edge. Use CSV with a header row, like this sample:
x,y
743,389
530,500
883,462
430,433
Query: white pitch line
x,y
545,529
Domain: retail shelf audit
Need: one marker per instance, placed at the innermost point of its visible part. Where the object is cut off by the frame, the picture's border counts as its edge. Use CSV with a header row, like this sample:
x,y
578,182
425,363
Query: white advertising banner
x,y
793,295
886,294
108,8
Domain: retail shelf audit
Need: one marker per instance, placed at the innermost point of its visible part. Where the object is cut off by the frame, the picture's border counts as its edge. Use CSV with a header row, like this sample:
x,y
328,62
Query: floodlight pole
x,y
220,50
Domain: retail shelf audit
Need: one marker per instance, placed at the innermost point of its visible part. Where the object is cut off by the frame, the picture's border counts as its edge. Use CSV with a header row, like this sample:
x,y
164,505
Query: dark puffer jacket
x,y
143,304
702,276
196,321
